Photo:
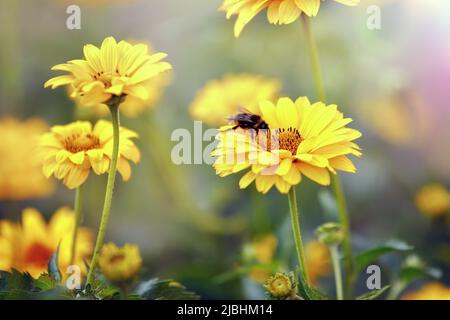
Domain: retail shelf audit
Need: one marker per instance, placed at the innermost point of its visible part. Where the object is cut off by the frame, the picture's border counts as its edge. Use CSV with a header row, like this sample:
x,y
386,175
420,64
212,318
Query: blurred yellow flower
x,y
21,175
303,138
28,246
70,151
433,200
219,99
120,264
430,291
114,69
261,250
134,106
318,260
278,11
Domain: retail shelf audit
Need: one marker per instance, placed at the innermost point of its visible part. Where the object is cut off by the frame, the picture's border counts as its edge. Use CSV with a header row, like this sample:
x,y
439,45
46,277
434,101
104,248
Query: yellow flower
x,y
135,106
28,246
303,139
120,264
70,151
220,98
430,291
262,250
278,11
20,171
317,258
115,69
433,200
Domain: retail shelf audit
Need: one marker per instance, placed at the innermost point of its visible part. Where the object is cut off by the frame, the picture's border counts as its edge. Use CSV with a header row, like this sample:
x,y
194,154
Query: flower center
x,y
117,258
38,255
81,142
289,139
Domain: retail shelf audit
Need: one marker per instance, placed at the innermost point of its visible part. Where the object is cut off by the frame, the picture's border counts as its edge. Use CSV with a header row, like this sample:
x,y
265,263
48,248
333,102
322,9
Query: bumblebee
x,y
247,120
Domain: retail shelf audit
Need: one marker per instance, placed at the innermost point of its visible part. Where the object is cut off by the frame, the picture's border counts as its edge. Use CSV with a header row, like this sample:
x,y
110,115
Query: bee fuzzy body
x,y
247,120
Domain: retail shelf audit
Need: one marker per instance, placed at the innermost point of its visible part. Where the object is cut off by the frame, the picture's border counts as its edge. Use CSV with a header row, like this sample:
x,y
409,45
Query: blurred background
x,y
198,228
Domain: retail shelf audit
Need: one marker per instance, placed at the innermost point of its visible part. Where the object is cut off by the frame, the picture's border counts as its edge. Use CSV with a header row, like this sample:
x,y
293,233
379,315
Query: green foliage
x,y
308,292
366,257
45,282
415,268
15,285
156,289
371,295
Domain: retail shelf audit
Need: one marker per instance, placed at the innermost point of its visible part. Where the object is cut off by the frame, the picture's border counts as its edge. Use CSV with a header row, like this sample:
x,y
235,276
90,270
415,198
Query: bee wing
x,y
242,109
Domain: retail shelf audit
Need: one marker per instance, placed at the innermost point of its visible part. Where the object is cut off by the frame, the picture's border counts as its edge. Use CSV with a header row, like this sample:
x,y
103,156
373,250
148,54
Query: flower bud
x,y
330,234
281,286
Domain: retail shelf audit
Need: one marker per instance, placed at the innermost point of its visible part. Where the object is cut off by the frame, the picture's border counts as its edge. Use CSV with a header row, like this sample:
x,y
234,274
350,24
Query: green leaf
x,y
53,269
415,268
99,290
15,280
310,293
156,289
366,257
45,282
371,295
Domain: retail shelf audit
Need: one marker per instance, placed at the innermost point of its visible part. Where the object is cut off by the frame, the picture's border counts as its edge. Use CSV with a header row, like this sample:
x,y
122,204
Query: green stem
x,y
335,180
315,61
78,215
295,222
114,108
337,272
395,290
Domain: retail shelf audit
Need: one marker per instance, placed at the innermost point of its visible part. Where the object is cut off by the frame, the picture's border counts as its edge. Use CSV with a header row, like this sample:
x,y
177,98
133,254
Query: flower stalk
x,y
114,108
78,217
337,271
336,183
295,223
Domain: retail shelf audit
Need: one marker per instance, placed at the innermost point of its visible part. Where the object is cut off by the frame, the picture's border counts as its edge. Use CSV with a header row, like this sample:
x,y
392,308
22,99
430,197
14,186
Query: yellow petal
x,y
309,7
319,175
286,113
108,57
342,163
124,169
247,179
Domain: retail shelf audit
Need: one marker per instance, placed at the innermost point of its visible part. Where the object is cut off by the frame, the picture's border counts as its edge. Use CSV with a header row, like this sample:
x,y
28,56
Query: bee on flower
x,y
303,139
71,151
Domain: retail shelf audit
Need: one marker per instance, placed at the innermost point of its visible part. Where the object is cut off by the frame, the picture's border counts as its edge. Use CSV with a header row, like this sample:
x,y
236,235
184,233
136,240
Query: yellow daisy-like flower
x,y
29,246
120,264
430,291
220,98
278,11
114,69
70,151
134,106
20,171
433,200
303,139
261,250
318,260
